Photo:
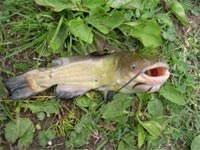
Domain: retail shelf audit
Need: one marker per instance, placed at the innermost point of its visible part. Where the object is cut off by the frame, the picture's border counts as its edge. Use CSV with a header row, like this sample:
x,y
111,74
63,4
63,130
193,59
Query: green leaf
x,y
57,36
45,136
41,106
169,34
172,94
78,139
93,4
124,146
81,30
117,3
150,4
133,4
141,136
3,116
146,31
116,110
42,138
178,11
85,101
153,141
21,66
24,125
56,6
10,132
22,129
126,142
86,122
50,134
106,23
81,135
195,145
41,115
55,45
165,19
27,138
155,107
154,128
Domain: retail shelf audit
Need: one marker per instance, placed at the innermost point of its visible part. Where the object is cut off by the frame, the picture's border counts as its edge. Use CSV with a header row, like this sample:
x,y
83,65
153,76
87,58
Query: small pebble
x,y
49,142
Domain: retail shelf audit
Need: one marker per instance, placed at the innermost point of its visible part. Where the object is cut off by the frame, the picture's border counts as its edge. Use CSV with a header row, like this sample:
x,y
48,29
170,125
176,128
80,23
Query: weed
x,y
35,32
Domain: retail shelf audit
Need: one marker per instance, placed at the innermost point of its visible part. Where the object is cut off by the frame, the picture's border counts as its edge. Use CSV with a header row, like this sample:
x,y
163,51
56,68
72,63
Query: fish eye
x,y
133,66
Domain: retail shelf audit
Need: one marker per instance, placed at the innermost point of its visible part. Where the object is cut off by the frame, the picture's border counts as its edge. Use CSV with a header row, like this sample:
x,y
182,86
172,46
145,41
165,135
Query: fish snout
x,y
152,78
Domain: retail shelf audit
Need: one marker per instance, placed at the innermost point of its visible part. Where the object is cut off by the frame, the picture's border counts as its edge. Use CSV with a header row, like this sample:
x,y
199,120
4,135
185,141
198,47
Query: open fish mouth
x,y
158,71
152,77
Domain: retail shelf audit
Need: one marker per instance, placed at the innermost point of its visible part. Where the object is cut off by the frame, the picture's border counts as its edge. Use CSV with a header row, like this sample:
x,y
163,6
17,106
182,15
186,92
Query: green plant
x,y
35,32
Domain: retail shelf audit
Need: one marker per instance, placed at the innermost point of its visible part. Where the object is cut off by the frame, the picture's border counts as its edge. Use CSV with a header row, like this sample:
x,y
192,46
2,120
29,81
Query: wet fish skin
x,y
76,75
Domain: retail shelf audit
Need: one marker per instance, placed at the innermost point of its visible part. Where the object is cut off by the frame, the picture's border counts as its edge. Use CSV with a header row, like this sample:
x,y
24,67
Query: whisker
x,y
132,79
127,83
149,89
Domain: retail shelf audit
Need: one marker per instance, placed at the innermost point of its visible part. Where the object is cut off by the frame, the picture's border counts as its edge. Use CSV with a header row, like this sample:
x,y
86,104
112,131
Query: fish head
x,y
144,73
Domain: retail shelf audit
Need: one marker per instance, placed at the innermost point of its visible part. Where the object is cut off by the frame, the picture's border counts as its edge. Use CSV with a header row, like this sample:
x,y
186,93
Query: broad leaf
x,y
127,142
154,128
42,138
117,3
155,107
172,94
141,136
178,11
133,4
93,4
57,36
50,134
78,139
22,129
55,5
55,45
81,30
41,115
81,135
45,136
10,132
116,110
27,138
165,19
84,101
146,31
196,143
40,106
106,23
169,34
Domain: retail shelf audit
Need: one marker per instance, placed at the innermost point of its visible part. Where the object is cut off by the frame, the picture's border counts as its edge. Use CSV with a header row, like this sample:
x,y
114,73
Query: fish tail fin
x,y
24,86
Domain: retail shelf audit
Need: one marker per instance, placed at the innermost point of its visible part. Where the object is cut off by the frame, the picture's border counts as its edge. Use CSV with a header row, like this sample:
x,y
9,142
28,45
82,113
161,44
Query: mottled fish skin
x,y
76,75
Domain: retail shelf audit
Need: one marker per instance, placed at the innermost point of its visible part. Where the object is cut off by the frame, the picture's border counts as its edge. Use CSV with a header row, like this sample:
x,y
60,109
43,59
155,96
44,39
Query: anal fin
x,y
65,91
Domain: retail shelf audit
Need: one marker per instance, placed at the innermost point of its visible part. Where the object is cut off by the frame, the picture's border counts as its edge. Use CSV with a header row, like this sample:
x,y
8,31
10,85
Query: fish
x,y
125,72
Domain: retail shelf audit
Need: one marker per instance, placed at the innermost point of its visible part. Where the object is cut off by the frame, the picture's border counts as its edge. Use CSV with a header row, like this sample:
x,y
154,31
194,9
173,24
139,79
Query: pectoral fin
x,y
64,91
60,61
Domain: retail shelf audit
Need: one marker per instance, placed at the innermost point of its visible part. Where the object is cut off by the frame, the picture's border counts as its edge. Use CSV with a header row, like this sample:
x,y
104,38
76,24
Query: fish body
x,y
76,75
